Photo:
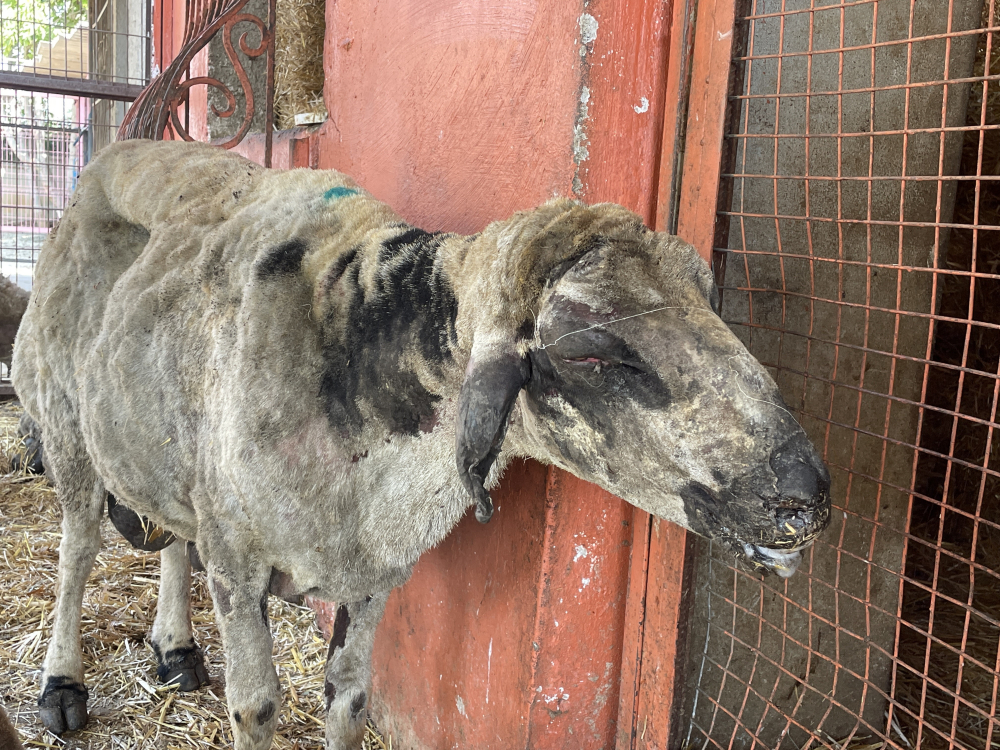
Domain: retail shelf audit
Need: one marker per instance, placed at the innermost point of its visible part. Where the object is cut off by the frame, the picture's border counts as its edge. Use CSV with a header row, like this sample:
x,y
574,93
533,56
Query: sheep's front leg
x,y
179,660
62,705
239,591
349,671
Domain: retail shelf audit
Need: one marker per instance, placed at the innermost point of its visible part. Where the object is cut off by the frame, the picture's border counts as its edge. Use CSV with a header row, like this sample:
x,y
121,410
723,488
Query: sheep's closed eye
x,y
601,364
596,364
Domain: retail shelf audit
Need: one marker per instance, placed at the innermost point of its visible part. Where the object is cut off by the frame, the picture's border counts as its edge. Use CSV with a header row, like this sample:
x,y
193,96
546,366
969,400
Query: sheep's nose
x,y
801,475
795,521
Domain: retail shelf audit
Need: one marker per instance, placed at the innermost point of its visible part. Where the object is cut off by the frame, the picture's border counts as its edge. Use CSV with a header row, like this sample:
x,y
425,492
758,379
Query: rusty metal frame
x,y
157,111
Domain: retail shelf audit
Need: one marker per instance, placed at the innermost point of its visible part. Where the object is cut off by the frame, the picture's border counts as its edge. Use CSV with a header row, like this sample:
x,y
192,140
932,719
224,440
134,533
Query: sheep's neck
x,y
389,331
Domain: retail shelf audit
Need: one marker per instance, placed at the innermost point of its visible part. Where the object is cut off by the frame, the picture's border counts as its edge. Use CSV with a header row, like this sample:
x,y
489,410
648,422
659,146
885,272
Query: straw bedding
x,y
298,64
128,707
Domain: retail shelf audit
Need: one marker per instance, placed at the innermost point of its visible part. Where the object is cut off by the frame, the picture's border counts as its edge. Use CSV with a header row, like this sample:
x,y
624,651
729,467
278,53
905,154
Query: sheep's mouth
x,y
781,555
783,562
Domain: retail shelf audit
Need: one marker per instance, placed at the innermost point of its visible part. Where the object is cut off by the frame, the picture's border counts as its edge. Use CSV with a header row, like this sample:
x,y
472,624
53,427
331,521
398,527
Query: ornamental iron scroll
x,y
158,106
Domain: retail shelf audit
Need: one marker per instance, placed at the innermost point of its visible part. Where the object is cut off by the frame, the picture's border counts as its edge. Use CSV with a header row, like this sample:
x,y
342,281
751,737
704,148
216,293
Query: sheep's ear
x,y
484,404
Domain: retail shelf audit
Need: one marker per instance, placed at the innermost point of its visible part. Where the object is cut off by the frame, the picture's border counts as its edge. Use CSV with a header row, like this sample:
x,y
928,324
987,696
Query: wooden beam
x,y
122,92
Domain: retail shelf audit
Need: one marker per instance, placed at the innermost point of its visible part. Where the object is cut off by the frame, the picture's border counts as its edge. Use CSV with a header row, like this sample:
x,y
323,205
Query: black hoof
x,y
184,667
62,705
30,458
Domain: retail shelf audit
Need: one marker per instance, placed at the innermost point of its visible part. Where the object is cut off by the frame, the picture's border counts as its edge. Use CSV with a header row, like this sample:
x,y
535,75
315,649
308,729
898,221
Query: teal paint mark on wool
x,y
338,192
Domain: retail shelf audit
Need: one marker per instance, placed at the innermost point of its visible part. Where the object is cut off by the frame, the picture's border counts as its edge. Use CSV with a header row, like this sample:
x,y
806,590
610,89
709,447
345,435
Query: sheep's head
x,y
632,381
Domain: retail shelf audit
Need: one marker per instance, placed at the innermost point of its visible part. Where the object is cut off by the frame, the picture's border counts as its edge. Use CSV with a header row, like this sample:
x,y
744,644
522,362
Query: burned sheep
x,y
13,302
276,367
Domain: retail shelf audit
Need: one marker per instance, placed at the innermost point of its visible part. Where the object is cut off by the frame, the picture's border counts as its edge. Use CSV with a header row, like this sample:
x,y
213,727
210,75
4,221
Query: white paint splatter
x,y
489,664
722,36
588,28
461,705
559,695
585,582
642,107
581,551
580,151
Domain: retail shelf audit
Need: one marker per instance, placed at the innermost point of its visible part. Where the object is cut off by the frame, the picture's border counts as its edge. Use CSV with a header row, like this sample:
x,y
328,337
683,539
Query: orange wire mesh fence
x,y
859,251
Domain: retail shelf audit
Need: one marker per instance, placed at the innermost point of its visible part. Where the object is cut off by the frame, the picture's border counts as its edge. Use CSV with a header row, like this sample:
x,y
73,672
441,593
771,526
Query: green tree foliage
x,y
24,24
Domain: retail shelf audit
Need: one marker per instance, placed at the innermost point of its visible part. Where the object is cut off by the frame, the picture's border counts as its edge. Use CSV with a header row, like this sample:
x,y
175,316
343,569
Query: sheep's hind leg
x,y
349,671
239,591
63,701
179,660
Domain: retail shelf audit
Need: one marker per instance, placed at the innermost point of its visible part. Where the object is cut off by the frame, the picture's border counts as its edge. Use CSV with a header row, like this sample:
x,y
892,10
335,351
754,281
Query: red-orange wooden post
x,y
687,205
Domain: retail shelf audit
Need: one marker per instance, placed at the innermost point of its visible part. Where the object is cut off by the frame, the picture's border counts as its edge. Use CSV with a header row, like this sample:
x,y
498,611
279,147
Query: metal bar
x,y
269,87
55,128
122,92
911,40
696,213
678,90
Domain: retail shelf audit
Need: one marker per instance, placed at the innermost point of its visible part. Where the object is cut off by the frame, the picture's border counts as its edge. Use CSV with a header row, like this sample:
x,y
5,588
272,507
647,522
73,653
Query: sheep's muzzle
x,y
770,515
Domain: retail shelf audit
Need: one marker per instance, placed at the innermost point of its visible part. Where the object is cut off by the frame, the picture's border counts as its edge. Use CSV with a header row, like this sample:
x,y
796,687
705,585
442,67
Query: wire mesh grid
x,y
45,140
77,39
40,152
49,131
859,250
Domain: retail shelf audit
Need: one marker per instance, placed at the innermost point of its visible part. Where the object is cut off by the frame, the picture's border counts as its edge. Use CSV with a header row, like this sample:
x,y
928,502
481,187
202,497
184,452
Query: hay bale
x,y
298,63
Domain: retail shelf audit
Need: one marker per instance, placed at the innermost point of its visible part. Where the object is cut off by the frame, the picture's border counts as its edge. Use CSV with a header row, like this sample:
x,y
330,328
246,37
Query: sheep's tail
x,y
149,183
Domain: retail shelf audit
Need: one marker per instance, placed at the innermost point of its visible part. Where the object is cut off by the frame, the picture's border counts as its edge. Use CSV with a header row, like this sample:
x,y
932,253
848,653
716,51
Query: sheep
x,y
276,367
8,735
30,455
13,301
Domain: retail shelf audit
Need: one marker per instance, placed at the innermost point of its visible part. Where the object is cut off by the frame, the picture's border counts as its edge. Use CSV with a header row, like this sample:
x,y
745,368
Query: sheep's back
x,y
185,355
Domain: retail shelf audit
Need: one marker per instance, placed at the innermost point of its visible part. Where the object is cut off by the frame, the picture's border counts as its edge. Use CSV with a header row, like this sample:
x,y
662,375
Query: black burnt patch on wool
x,y
330,691
341,623
408,307
339,266
283,260
358,704
266,712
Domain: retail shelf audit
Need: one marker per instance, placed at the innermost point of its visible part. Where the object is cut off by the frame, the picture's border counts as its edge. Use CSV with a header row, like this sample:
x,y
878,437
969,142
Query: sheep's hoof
x,y
184,667
30,459
62,705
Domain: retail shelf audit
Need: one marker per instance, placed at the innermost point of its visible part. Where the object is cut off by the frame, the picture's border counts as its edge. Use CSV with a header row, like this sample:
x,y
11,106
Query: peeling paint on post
x,y
588,35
